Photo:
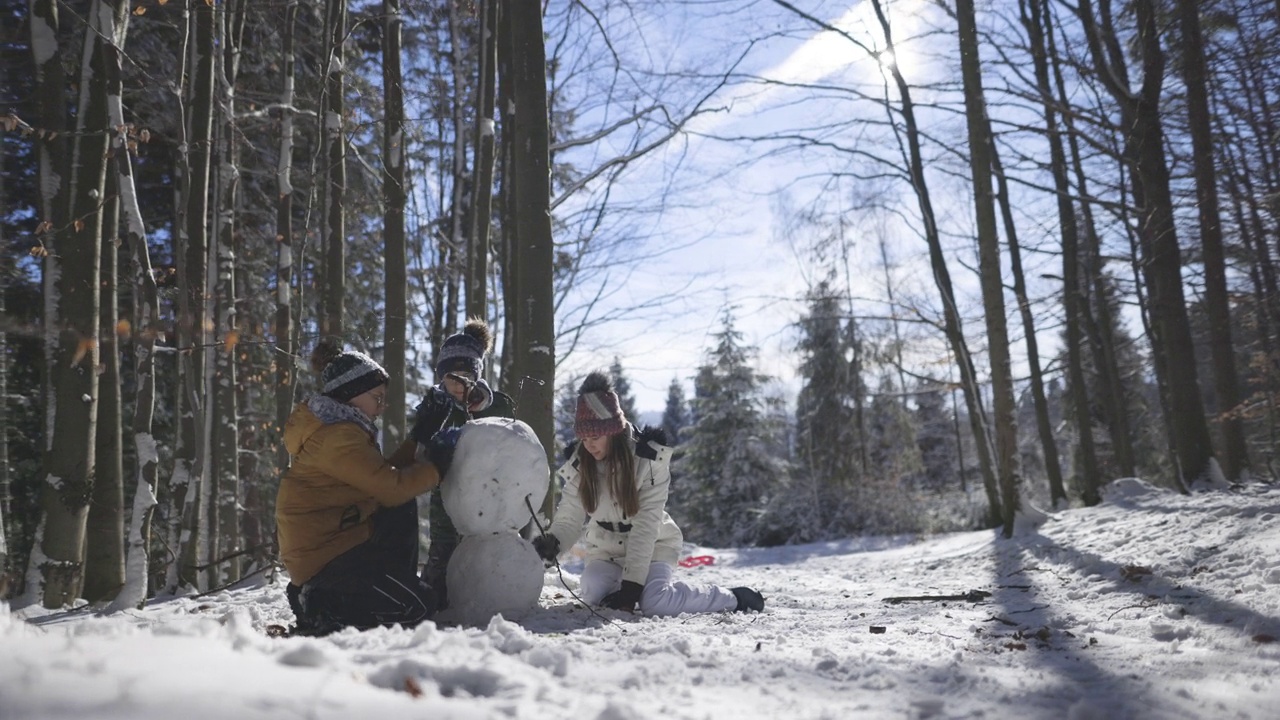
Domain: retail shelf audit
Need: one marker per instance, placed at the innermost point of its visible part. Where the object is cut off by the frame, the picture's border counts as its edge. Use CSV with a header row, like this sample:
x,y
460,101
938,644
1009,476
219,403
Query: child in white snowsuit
x,y
618,479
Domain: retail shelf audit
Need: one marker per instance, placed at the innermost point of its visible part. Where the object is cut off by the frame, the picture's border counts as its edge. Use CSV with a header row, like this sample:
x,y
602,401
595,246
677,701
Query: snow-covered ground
x,y
1152,605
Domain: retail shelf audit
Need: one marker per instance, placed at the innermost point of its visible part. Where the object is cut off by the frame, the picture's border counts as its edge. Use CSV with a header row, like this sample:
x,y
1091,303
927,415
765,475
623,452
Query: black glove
x,y
548,546
440,450
624,599
430,416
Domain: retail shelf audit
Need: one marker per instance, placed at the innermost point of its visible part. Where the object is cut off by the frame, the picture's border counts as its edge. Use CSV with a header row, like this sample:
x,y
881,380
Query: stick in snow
x,y
972,596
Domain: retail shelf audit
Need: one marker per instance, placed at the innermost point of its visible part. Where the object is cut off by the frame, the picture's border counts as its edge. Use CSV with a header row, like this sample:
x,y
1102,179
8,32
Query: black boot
x,y
748,599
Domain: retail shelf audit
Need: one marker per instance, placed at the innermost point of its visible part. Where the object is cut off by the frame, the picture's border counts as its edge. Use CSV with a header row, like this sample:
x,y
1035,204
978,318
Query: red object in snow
x,y
696,560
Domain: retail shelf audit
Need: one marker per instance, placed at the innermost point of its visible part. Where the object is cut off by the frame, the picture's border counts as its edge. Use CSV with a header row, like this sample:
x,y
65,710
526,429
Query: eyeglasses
x,y
380,400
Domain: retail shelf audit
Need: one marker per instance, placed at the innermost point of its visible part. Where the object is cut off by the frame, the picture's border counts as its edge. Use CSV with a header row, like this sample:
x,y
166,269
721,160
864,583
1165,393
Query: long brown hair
x,y
619,466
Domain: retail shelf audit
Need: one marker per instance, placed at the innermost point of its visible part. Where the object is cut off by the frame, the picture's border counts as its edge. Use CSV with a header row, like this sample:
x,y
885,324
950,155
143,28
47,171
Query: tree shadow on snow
x,y
1148,585
1027,626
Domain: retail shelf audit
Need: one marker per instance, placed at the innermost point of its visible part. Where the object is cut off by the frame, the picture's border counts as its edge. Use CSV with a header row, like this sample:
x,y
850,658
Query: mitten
x,y
440,450
625,598
748,600
548,546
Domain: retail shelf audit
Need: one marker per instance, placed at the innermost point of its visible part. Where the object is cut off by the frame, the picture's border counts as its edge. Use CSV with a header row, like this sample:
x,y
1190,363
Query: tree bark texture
x,y
481,206
1234,455
992,280
395,249
942,280
1036,20
1171,338
535,350
335,233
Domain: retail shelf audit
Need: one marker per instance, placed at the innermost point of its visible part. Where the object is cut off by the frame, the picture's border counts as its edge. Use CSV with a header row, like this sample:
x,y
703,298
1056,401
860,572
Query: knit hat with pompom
x,y
465,351
599,412
345,374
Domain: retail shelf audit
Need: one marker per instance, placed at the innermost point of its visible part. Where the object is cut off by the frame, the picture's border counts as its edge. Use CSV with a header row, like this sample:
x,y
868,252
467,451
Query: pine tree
x,y
829,442
675,416
727,472
622,386
936,440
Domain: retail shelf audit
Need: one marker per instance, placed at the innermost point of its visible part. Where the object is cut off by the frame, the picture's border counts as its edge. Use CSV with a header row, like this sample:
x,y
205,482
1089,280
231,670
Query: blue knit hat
x,y
465,351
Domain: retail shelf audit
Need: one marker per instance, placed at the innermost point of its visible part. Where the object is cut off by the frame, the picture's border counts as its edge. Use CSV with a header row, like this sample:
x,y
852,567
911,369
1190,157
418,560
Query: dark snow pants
x,y
444,540
374,583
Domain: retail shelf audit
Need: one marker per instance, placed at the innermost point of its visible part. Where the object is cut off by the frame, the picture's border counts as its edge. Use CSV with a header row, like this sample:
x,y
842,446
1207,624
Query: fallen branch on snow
x,y
972,596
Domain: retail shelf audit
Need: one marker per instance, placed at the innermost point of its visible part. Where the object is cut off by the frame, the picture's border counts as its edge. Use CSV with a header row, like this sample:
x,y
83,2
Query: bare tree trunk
x,y
50,149
481,206
535,353
70,461
1234,454
942,279
1162,258
508,258
1266,296
981,161
225,510
5,492
1088,261
335,233
145,331
1052,464
460,202
393,194
1037,28
190,478
285,367
104,534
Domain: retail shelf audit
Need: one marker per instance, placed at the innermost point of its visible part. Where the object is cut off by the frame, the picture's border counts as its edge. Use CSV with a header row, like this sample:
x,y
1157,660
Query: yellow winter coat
x,y
337,479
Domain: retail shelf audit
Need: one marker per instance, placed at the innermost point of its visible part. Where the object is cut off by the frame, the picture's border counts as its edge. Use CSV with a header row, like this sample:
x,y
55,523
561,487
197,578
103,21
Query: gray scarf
x,y
330,411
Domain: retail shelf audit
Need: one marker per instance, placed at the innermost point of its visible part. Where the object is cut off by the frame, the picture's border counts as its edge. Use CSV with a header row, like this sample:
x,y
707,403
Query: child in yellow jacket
x,y
347,519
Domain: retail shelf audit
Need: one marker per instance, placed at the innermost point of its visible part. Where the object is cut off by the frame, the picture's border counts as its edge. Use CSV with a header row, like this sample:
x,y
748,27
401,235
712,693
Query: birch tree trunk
x,y
285,367
105,551
334,236
146,329
535,353
70,461
104,535
393,198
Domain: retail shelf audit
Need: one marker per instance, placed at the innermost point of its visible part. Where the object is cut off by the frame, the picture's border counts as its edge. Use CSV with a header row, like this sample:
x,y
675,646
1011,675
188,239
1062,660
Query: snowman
x,y
499,471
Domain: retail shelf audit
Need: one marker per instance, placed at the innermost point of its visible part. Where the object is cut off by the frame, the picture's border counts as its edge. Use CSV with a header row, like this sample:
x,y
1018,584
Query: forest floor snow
x,y
1151,605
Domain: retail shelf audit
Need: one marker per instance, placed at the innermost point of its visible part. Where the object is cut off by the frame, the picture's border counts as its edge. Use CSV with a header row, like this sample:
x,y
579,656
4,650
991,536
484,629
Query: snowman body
x,y
498,474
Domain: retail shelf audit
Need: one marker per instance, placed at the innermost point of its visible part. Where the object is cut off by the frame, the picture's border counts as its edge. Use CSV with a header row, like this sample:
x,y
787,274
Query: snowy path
x,y
1153,605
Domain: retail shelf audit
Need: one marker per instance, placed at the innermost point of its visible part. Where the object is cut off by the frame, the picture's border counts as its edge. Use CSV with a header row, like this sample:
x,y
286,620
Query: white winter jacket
x,y
652,536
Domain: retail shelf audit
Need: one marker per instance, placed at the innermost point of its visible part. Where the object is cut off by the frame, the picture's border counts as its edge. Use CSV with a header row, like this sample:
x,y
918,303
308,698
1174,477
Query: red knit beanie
x,y
599,412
